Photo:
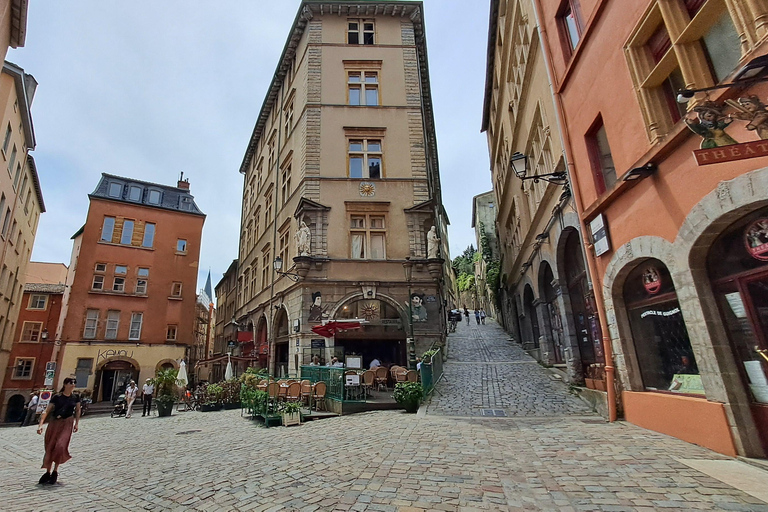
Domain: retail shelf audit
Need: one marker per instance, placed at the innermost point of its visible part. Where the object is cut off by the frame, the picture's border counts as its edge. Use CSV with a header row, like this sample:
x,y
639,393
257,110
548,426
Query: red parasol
x,y
331,328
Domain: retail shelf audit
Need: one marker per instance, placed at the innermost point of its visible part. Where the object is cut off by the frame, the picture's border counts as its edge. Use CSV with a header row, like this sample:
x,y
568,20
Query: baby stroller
x,y
121,407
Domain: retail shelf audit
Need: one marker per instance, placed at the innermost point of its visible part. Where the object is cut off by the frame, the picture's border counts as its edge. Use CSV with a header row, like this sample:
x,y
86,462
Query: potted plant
x,y
212,398
291,413
165,383
427,356
409,395
231,394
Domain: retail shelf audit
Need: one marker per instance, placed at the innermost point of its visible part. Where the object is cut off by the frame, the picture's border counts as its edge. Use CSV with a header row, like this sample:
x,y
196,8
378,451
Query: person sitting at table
x,y
315,361
375,364
336,362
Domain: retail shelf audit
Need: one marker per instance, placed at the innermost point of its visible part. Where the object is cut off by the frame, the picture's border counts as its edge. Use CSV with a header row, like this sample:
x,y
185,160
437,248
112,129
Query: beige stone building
x,y
21,198
13,24
545,295
345,144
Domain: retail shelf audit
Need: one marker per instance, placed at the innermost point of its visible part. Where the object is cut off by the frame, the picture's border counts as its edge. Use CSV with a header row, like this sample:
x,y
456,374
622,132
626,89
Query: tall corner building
x,y
344,143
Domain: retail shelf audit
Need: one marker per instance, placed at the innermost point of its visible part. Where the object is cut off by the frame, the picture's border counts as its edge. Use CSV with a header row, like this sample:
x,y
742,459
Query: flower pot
x,y
411,406
231,405
590,383
210,407
291,418
600,385
164,409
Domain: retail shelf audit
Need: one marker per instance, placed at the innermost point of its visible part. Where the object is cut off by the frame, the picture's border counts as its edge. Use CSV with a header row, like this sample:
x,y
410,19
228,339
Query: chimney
x,y
183,184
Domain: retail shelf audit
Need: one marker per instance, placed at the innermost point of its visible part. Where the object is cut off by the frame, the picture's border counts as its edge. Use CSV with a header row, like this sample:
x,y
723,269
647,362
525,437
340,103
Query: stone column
x,y
546,345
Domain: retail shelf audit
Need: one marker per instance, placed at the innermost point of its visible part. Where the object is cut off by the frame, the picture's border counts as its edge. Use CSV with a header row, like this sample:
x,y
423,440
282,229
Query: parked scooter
x,y
121,407
84,403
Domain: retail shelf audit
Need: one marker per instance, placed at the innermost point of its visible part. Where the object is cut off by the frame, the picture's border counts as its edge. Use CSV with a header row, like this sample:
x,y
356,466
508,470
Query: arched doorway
x,y
583,311
382,338
112,379
281,343
15,411
530,322
662,347
262,342
552,312
737,265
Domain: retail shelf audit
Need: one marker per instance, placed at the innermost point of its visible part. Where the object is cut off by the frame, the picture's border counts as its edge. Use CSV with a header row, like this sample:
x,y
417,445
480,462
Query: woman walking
x,y
64,410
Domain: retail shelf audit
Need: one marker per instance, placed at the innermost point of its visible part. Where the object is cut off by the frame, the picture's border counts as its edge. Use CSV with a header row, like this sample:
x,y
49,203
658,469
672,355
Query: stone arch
x,y
355,296
15,408
130,360
163,362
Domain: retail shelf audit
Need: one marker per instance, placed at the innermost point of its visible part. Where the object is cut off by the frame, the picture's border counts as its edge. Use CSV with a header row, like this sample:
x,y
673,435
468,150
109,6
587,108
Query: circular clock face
x,y
367,189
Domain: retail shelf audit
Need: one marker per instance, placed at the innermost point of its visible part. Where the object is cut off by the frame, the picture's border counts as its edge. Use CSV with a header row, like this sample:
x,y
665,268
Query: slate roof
x,y
172,198
44,288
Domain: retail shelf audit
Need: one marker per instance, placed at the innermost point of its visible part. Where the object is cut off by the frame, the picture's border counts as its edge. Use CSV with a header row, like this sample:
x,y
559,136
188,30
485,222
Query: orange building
x,y
130,307
678,248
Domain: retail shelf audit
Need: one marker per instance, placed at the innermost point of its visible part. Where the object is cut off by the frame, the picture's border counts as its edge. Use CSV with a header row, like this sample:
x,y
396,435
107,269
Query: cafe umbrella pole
x,y
408,267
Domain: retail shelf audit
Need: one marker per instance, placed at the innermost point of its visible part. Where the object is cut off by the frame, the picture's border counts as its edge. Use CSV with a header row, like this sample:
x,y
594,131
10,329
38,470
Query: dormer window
x,y
185,203
154,197
115,190
134,193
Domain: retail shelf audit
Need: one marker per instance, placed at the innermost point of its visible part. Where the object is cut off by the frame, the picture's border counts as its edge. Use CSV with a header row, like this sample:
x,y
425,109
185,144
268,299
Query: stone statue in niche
x,y
433,244
753,110
303,239
708,121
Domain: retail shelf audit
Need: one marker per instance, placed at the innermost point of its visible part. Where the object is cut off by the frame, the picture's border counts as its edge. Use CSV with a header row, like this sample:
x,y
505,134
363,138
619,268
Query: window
x,y
12,161
98,282
121,269
134,193
363,88
83,371
601,158
284,244
115,190
256,224
149,235
31,331
16,177
365,158
135,331
91,323
38,301
6,222
181,245
22,368
141,287
118,285
142,272
266,264
569,21
154,197
368,237
108,229
288,118
7,139
127,234
285,181
354,35
113,322
170,333
101,267
268,210
176,289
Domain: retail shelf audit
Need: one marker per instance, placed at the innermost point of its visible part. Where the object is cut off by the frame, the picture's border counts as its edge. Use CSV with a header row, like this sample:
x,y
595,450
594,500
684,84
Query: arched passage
x,y
281,343
551,314
262,341
382,337
530,324
112,377
15,411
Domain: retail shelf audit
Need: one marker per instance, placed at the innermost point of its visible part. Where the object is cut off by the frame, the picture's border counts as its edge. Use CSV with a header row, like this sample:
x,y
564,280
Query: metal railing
x,y
431,372
335,382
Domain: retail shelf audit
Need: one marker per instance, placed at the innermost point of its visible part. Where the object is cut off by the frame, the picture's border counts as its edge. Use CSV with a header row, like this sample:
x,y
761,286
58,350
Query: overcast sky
x,y
148,89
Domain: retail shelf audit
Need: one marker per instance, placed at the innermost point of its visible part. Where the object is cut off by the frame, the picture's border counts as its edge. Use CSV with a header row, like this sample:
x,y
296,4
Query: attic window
x,y
134,193
154,197
185,203
115,190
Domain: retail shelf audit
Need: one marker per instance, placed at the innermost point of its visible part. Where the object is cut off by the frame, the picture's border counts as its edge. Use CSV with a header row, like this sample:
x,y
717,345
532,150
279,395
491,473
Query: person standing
x,y
130,396
466,314
31,409
64,410
147,391
477,316
482,316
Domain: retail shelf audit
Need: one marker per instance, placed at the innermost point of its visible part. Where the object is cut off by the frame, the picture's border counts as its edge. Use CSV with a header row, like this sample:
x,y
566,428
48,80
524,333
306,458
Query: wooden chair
x,y
306,391
273,390
400,375
282,392
369,380
412,376
293,393
381,378
318,394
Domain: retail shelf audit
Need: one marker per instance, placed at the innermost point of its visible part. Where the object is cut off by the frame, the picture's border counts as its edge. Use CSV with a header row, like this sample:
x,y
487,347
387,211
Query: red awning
x,y
331,328
244,336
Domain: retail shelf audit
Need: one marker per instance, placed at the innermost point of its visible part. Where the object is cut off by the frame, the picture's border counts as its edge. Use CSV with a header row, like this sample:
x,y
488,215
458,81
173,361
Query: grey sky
x,y
148,89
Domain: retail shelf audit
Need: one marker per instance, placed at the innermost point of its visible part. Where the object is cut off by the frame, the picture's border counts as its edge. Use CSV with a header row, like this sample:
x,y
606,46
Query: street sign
x,y
50,373
45,399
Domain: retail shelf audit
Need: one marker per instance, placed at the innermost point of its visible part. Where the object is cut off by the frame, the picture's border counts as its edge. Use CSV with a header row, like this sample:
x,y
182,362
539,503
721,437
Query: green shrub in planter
x,y
427,356
165,384
291,413
409,395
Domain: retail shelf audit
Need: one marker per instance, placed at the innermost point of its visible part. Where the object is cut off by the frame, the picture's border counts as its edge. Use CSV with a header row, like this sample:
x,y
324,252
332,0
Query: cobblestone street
x,y
551,453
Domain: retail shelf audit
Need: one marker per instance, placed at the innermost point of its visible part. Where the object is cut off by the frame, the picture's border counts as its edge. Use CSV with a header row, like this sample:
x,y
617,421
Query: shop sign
x,y
317,342
599,235
731,153
652,280
756,239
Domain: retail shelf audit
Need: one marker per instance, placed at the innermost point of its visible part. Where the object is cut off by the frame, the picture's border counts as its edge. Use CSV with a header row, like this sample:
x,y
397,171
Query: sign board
x,y
231,344
45,399
318,342
730,153
599,235
50,366
352,380
354,362
50,373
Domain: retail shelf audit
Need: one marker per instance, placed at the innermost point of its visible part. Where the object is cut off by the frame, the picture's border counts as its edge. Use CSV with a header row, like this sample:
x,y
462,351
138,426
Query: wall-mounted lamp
x,y
278,264
519,164
44,335
753,71
639,173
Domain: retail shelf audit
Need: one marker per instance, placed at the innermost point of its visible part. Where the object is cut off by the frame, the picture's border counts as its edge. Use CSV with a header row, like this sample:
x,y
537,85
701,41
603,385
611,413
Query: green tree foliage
x,y
464,265
466,282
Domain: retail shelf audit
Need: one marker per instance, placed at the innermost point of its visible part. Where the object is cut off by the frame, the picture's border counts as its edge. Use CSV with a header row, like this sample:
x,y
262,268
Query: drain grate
x,y
187,432
494,412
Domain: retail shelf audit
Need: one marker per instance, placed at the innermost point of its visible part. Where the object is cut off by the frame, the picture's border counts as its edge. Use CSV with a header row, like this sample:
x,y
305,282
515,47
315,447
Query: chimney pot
x,y
183,184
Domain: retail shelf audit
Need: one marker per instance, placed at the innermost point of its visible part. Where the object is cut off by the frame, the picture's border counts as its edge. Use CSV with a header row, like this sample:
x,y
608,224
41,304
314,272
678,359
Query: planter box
x,y
230,406
164,409
590,383
293,418
210,407
600,385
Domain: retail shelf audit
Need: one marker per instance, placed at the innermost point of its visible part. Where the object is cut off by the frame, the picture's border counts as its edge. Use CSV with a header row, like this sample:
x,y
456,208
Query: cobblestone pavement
x,y
486,371
377,461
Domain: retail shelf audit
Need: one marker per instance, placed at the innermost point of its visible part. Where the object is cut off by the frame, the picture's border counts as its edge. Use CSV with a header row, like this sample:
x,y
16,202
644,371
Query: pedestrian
x,y
64,411
482,316
130,397
466,314
477,316
418,364
147,391
31,408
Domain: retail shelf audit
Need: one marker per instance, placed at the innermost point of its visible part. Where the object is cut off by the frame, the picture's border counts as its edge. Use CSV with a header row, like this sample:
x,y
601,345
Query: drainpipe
x,y
572,178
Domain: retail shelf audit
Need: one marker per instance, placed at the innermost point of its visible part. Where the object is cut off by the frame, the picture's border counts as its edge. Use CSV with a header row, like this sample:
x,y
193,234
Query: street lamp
x,y
752,72
278,264
519,164
408,267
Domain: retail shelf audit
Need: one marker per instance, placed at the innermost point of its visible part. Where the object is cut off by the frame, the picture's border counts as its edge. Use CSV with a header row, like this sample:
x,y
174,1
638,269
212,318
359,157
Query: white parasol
x,y
181,378
228,374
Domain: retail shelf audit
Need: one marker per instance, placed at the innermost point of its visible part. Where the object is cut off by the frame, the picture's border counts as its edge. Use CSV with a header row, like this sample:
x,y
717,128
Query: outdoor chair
x,y
306,390
412,376
369,379
273,389
293,393
400,375
318,394
282,391
381,378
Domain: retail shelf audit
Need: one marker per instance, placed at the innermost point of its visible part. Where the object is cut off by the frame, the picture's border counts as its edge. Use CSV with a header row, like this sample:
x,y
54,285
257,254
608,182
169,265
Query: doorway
x,y
15,411
114,378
